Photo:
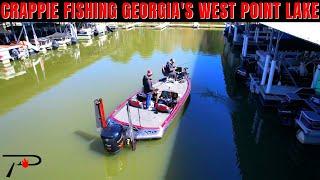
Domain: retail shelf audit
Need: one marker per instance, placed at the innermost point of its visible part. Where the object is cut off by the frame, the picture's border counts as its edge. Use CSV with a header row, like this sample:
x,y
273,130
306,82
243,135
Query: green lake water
x,y
220,133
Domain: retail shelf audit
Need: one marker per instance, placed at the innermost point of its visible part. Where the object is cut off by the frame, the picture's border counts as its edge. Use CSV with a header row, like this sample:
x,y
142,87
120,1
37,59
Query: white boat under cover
x,y
309,124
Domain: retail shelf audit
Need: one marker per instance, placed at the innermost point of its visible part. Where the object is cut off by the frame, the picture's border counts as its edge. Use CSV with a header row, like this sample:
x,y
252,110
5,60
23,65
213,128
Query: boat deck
x,y
148,118
281,90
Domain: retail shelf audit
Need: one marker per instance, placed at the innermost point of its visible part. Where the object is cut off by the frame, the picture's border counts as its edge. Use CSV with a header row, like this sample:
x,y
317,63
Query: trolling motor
x,y
114,136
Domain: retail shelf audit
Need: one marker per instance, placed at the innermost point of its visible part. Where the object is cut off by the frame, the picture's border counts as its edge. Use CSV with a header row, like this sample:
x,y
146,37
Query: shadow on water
x,y
215,141
119,162
204,147
264,148
94,140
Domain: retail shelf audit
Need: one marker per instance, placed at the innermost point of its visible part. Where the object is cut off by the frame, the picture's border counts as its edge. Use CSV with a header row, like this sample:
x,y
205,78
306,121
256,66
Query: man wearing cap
x,y
171,69
147,87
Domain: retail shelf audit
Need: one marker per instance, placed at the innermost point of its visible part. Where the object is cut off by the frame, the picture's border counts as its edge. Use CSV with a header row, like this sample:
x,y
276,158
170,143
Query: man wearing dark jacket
x,y
171,69
147,87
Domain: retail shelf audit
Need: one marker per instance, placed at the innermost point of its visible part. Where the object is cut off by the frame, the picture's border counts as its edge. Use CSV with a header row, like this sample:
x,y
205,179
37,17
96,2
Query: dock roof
x,y
308,31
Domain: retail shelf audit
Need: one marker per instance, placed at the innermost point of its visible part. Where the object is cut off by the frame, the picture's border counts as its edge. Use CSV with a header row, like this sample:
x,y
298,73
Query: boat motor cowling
x,y
74,40
14,53
112,138
55,44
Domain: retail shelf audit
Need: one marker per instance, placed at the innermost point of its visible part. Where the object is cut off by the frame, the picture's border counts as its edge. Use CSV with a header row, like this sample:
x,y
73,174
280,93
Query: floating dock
x,y
131,25
276,72
162,26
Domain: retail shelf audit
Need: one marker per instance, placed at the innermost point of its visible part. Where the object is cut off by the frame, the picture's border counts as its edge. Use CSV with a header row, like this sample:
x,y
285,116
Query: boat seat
x,y
163,70
141,97
162,108
135,103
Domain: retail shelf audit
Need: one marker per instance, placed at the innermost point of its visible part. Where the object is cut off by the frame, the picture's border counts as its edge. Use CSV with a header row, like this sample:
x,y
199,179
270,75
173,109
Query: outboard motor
x,y
55,44
112,135
96,32
14,53
113,138
74,40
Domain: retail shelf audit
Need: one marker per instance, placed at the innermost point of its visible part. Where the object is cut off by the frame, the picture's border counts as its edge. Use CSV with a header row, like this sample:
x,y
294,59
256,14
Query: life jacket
x,y
163,108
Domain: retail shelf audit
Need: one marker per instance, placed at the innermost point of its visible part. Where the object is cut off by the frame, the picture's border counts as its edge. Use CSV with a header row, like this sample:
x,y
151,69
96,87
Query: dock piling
x,y
235,34
265,70
245,45
229,30
256,34
315,77
271,74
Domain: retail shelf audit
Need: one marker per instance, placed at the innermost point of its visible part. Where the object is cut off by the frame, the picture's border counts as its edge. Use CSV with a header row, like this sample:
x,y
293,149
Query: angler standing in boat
x,y
147,88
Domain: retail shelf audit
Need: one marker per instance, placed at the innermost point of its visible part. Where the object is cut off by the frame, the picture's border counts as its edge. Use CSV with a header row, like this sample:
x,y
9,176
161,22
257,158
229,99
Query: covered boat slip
x,y
149,119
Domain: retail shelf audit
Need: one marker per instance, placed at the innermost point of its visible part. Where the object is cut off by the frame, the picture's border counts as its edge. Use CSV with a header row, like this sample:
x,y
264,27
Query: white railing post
x,y
315,77
245,45
256,34
235,33
271,74
265,70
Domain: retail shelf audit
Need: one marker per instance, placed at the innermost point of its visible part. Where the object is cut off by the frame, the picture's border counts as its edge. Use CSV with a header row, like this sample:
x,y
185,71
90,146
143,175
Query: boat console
x,y
168,98
182,73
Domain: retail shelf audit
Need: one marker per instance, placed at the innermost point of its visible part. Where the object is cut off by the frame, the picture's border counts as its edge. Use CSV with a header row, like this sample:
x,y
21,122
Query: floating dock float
x,y
131,25
162,26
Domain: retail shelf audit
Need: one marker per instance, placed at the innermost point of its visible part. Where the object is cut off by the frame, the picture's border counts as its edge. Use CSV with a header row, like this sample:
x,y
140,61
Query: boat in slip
x,y
43,42
130,121
292,104
60,40
85,34
309,128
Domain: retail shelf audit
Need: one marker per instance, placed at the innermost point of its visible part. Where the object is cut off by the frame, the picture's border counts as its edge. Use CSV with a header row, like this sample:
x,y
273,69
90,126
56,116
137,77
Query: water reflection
x,y
265,149
86,43
119,46
222,134
59,107
10,70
